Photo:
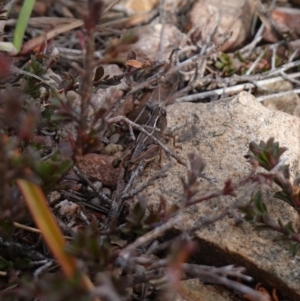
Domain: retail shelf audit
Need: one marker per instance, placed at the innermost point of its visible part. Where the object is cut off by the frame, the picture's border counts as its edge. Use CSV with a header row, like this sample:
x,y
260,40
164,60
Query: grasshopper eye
x,y
163,112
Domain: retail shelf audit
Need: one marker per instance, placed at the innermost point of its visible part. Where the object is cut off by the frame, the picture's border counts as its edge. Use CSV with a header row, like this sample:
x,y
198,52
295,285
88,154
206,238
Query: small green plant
x,y
268,155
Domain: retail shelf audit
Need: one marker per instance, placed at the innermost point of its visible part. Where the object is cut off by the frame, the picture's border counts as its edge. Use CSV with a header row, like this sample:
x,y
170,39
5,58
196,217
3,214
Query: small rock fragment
x,y
114,138
53,197
195,290
234,19
96,201
106,191
111,149
99,167
97,184
67,208
288,103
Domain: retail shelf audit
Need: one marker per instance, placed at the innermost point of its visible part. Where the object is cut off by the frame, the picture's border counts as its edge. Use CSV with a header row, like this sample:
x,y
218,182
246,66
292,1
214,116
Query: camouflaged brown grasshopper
x,y
144,148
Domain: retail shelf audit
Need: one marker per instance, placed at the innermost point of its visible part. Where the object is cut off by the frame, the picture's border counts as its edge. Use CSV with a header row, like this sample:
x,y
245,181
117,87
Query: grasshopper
x,y
144,148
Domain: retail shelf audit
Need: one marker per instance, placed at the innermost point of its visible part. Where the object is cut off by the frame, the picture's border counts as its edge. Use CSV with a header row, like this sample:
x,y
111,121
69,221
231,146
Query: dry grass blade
x,y
44,219
39,40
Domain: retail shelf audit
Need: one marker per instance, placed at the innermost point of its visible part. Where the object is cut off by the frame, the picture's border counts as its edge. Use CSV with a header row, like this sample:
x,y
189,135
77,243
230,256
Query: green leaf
x,y
138,211
52,170
280,223
36,66
4,264
260,206
65,166
22,22
289,227
282,195
219,65
294,247
224,58
240,57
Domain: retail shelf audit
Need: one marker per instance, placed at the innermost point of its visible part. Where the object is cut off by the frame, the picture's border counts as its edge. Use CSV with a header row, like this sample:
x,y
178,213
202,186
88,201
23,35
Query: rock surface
x,y
288,103
222,131
193,289
147,45
234,19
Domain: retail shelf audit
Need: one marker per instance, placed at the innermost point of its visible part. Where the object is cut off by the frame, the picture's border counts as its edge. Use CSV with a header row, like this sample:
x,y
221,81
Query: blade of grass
x,y
21,26
37,204
45,221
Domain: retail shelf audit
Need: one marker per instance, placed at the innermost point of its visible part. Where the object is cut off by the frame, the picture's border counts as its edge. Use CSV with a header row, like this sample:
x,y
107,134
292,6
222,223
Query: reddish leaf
x,y
134,63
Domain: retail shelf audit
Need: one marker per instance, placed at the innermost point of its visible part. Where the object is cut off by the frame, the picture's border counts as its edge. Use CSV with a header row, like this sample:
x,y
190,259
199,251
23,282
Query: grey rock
x,y
193,289
97,184
288,103
222,131
114,138
96,201
53,197
106,191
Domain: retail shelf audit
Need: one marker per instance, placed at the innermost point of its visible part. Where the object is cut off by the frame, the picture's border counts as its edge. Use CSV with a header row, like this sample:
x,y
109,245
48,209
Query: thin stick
x,y
27,228
255,63
83,177
109,7
279,94
16,70
258,37
273,65
234,89
289,78
157,232
131,133
157,175
134,175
